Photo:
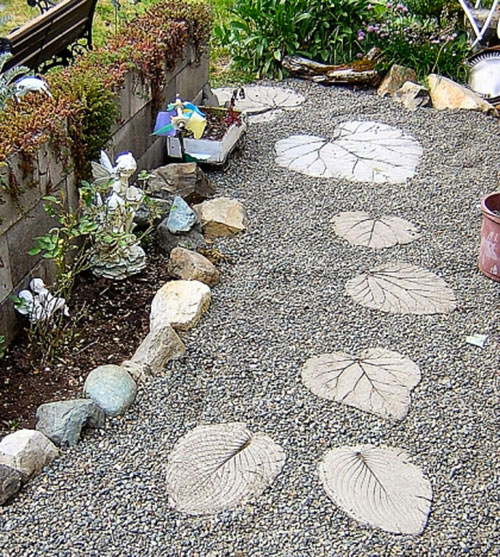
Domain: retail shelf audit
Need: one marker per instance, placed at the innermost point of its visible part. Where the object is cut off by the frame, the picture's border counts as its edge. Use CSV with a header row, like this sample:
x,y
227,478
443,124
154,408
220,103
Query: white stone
x,y
360,151
179,303
161,345
445,93
27,451
221,217
260,99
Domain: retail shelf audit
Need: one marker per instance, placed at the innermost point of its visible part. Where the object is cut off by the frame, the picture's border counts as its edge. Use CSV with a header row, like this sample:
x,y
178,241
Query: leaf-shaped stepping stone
x,y
402,288
359,229
377,486
361,151
261,99
378,381
216,467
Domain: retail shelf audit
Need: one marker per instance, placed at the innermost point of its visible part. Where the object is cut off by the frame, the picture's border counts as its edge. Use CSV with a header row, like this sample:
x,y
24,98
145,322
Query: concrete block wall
x,y
24,218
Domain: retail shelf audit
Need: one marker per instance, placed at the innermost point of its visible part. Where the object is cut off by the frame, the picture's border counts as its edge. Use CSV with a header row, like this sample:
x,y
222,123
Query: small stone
x,y
189,265
181,217
209,98
412,96
27,451
161,345
111,388
445,93
193,239
10,482
221,217
143,215
395,79
184,179
62,421
179,303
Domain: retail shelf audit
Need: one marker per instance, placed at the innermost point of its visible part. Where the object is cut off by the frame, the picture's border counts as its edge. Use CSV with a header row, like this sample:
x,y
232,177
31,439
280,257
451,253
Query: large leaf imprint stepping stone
x,y
262,104
378,381
217,467
402,288
377,486
359,229
360,151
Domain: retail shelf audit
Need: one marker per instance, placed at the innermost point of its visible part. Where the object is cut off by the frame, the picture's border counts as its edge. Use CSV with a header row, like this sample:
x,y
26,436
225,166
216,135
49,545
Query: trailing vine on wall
x,y
78,119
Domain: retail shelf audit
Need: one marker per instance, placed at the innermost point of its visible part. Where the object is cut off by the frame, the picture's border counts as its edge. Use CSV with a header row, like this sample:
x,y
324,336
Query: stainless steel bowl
x,y
484,76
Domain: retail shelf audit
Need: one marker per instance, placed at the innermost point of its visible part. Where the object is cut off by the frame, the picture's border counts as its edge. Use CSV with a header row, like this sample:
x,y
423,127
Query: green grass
x,y
222,71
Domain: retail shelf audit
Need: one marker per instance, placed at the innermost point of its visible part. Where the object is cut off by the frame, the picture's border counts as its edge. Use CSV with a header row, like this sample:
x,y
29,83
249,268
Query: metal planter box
x,y
209,151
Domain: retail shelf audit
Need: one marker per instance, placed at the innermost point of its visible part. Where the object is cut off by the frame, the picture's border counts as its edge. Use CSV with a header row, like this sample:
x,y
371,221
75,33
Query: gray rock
x,y
189,265
181,217
193,239
143,215
62,421
184,179
10,482
111,388
209,98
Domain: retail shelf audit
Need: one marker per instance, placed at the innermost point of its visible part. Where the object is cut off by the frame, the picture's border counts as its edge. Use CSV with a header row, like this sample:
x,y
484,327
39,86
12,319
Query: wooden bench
x,y
53,37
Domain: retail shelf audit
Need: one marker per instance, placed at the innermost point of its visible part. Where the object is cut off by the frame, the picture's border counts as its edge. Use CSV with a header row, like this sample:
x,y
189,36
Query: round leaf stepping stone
x,y
378,381
359,229
261,99
377,486
360,151
217,467
111,388
402,288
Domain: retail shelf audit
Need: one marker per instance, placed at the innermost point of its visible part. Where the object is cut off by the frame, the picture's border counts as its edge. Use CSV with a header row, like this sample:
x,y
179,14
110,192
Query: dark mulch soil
x,y
114,320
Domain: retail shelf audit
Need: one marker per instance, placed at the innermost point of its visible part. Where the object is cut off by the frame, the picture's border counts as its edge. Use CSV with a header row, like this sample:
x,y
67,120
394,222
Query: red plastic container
x,y
489,250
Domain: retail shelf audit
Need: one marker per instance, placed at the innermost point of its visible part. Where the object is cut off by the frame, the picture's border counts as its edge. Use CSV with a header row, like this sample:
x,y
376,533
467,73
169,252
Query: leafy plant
x,y
262,32
8,78
426,44
2,346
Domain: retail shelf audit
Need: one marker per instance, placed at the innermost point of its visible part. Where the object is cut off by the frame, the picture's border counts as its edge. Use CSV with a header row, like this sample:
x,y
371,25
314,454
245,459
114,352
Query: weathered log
x,y
360,72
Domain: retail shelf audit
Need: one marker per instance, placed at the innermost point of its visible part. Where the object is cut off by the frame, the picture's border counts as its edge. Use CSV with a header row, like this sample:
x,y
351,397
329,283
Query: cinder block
x,y
20,240
140,94
154,157
5,271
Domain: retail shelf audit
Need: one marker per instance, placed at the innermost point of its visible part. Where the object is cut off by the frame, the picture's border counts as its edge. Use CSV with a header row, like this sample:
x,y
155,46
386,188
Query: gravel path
x,y
279,303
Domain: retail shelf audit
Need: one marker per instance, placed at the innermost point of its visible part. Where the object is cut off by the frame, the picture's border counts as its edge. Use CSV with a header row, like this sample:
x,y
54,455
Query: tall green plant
x,y
261,32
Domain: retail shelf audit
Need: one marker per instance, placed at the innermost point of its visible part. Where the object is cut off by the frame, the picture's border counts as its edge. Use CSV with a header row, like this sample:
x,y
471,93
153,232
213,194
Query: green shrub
x,y
426,44
262,32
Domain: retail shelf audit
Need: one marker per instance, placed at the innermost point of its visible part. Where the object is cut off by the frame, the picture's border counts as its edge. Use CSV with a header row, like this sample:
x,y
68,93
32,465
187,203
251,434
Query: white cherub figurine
x,y
38,303
30,83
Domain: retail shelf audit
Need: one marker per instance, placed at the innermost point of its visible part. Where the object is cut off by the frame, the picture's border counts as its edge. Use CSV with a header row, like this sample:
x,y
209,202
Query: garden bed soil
x,y
114,320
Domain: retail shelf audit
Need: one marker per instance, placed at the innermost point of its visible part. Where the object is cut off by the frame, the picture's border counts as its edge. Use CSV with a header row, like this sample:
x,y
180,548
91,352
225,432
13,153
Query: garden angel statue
x,y
118,206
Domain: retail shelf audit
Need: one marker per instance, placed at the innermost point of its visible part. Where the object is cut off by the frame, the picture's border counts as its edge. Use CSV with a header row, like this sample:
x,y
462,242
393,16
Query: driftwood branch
x,y
360,72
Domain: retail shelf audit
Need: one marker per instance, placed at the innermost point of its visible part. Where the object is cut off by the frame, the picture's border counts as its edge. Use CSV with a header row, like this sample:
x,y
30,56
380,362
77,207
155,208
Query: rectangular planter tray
x,y
208,151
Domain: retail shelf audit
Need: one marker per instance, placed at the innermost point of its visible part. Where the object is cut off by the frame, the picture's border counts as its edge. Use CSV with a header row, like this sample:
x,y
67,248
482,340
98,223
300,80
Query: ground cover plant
x,y
424,35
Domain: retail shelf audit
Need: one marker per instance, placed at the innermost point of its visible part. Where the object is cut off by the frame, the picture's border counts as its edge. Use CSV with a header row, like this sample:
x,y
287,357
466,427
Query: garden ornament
x,y
180,116
38,303
30,84
472,20
116,217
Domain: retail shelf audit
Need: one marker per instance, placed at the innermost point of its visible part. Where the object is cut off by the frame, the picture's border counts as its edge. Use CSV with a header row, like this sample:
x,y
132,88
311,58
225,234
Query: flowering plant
x,y
428,44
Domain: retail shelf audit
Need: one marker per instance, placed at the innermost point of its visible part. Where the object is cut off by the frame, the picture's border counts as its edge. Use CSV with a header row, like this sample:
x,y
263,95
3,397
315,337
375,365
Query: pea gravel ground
x,y
280,302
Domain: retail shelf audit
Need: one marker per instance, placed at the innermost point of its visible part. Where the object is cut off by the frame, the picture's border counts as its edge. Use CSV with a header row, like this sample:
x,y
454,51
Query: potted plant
x,y
489,250
201,134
